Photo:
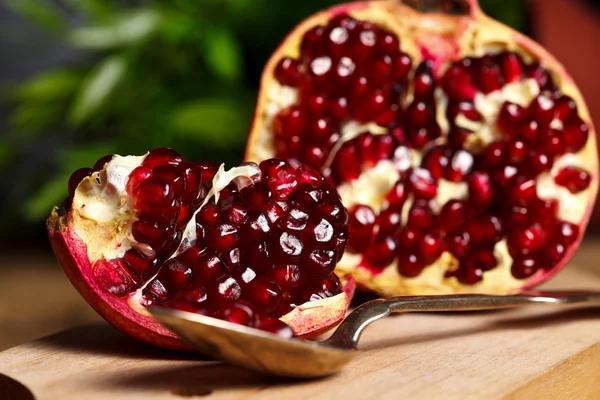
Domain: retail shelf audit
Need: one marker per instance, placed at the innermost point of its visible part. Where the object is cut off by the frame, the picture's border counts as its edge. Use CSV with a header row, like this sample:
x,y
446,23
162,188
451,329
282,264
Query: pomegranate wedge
x,y
255,245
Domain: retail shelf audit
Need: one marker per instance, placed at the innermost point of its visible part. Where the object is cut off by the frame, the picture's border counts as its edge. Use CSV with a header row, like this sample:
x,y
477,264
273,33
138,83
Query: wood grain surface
x,y
513,354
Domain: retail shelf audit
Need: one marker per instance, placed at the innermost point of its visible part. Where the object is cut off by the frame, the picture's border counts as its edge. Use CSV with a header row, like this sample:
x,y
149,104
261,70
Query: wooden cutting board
x,y
528,354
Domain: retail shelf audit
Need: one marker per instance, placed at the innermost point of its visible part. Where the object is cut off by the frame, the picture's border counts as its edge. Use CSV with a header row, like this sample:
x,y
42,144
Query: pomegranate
x,y
462,149
256,245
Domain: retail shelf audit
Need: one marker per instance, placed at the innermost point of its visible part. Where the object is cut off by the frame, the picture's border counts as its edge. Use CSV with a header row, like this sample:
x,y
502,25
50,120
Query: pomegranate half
x,y
256,245
463,151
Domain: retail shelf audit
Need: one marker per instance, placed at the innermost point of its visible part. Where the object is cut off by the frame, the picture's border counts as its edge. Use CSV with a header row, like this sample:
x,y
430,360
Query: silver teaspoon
x,y
262,351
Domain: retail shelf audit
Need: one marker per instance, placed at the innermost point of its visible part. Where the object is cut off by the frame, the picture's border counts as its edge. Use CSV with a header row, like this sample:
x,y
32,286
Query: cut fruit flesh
x,y
246,245
455,132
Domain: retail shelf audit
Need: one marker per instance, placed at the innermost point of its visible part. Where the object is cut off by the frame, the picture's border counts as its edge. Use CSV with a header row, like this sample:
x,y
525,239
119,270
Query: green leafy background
x,y
178,73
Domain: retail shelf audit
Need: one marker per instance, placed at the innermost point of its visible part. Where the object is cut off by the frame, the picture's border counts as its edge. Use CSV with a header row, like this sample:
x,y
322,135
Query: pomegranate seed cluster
x,y
165,191
347,70
263,245
499,175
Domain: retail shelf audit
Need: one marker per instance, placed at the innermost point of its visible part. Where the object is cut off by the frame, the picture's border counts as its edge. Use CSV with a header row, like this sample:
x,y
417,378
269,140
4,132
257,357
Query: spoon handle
x,y
350,330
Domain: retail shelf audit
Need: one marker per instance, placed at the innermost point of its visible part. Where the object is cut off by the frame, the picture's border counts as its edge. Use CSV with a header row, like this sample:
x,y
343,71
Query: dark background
x,y
83,78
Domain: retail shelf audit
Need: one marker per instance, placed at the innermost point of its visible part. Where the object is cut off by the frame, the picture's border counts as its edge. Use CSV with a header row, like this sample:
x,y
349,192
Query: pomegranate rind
x,y
447,38
71,253
314,318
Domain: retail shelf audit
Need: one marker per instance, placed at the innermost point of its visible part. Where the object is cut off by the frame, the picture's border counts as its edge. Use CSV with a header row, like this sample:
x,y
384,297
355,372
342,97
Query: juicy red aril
x,y
512,117
410,265
430,248
76,179
524,267
422,184
481,192
287,72
526,240
573,178
453,216
239,313
361,223
162,156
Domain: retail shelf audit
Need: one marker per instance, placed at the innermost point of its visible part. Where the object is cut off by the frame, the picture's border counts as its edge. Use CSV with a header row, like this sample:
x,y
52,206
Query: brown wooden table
x,y
526,354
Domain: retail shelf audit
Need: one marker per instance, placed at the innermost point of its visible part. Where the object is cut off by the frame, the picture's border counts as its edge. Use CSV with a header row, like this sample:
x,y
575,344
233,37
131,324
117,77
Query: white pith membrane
x,y
102,216
372,185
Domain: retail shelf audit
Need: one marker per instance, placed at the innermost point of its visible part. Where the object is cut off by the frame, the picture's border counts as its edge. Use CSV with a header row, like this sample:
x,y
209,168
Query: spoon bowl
x,y
252,348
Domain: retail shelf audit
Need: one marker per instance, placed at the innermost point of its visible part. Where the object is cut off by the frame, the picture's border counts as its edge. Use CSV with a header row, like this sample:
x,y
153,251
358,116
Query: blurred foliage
x,y
178,73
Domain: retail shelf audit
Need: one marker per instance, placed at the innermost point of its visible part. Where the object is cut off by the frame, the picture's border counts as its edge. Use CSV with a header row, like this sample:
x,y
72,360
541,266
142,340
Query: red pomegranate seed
x,y
381,251
494,155
470,275
530,132
567,232
162,156
239,313
452,216
484,260
285,275
542,109
419,114
361,223
338,108
290,122
459,167
486,229
410,265
538,162
421,217
511,118
505,175
458,244
545,212
512,67
489,77
286,72
481,193
421,184
430,248
435,161
523,268
519,216
76,178
389,220
397,196
575,134
527,240
522,192
517,151
574,179
457,83
174,274
553,144
114,276
372,104
264,295
101,163
555,252
139,263
423,81
409,237
321,262
402,66
565,108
